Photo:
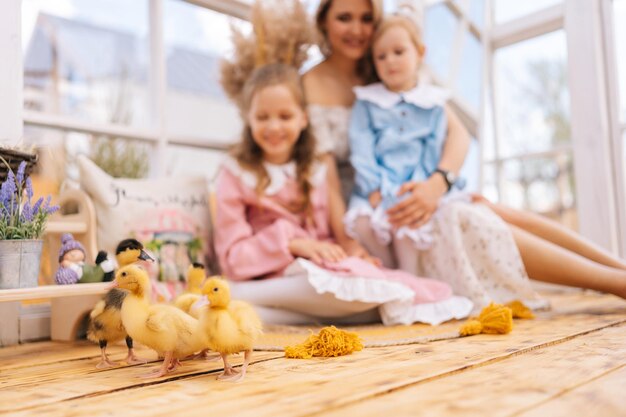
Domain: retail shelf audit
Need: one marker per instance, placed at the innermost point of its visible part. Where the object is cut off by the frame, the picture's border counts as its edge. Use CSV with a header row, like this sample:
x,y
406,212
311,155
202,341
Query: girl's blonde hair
x,y
365,66
407,24
269,56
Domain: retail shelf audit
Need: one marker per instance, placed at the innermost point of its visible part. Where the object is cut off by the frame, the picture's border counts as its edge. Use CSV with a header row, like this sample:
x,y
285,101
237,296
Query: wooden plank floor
x,y
570,361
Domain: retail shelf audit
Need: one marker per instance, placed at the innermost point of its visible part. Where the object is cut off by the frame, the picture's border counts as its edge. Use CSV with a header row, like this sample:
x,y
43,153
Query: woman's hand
x,y
354,248
419,206
316,250
479,198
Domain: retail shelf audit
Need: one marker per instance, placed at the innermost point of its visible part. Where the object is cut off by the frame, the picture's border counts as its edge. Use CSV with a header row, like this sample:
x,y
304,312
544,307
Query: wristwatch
x,y
449,176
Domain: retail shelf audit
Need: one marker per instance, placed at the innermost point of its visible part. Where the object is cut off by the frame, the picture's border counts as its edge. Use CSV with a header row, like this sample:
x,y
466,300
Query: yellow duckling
x,y
129,251
195,278
164,328
105,324
229,326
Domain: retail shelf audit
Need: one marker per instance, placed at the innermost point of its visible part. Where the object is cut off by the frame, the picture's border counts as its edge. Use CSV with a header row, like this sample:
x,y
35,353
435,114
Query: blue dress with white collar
x,y
395,138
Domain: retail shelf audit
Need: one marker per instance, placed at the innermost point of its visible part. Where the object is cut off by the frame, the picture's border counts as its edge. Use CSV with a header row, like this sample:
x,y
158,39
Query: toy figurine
x,y
72,266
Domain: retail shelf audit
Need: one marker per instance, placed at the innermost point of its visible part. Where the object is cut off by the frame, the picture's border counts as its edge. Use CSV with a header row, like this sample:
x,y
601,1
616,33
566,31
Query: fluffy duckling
x,y
195,277
229,326
172,333
105,325
129,251
187,300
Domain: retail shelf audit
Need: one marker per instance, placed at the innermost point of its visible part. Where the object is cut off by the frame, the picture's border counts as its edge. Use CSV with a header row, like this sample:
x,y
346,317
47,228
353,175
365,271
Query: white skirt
x,y
472,250
309,293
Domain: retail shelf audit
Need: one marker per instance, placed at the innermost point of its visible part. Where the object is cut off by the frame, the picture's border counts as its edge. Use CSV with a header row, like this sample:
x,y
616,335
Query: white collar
x,y
423,95
278,174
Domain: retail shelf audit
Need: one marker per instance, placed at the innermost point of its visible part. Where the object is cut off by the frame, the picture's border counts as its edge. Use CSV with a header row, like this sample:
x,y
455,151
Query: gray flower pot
x,y
19,263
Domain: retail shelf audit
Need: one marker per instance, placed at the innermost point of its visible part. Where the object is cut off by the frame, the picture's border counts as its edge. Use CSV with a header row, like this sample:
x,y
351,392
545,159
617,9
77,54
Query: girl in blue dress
x,y
398,131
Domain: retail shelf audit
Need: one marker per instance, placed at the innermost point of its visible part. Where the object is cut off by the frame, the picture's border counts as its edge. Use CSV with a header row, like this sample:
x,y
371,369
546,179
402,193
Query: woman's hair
x,y
407,24
250,155
365,66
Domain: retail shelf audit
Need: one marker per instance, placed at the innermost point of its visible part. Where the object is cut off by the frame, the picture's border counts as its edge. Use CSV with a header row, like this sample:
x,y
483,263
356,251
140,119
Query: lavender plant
x,y
19,217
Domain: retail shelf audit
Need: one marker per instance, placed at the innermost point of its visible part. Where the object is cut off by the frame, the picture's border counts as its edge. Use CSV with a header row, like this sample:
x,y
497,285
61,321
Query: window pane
x,y
186,160
469,78
542,185
477,12
59,150
471,168
474,9
488,139
87,60
532,95
440,25
619,17
490,183
196,39
507,10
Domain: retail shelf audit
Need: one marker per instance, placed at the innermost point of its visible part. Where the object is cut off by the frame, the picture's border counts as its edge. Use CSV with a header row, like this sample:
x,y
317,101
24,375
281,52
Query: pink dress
x,y
252,238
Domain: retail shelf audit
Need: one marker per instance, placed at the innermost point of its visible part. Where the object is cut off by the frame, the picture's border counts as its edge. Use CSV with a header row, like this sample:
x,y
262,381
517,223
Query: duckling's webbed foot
x,y
105,363
131,359
238,376
229,371
173,365
163,369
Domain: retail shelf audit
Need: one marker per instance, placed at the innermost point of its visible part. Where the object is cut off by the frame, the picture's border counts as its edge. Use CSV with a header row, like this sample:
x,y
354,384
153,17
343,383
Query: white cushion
x,y
165,210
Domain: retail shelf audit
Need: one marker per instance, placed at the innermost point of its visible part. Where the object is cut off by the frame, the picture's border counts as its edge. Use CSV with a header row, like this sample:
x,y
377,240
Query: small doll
x,y
72,266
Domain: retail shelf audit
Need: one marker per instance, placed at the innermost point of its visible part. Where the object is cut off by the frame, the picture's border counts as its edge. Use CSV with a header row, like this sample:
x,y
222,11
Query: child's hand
x,y
316,250
354,248
417,209
375,198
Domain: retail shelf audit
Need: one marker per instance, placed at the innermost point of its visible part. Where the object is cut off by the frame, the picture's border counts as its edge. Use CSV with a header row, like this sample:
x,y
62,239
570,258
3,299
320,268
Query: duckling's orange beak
x,y
114,284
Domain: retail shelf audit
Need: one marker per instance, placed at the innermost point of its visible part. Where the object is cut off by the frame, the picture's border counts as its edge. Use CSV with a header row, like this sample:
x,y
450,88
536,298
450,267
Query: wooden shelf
x,y
53,291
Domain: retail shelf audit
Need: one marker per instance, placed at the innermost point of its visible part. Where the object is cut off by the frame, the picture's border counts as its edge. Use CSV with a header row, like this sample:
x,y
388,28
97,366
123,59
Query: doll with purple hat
x,y
72,266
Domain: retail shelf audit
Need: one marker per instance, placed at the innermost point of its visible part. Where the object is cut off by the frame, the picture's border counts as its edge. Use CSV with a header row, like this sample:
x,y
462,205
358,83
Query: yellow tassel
x,y
471,327
330,342
493,319
520,311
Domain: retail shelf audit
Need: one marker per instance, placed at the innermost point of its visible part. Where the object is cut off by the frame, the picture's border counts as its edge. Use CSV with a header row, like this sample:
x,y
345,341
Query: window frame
x,y
157,135
586,23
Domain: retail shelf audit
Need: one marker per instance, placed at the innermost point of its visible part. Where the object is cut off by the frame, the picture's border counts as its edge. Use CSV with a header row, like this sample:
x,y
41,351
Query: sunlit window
x,y
86,60
506,10
196,39
439,30
532,96
530,165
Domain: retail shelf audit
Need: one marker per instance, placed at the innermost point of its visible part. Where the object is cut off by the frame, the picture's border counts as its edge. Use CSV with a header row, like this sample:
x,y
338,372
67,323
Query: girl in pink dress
x,y
279,234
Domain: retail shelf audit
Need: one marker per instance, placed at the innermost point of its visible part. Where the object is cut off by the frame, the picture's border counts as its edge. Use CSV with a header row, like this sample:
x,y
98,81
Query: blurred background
x,y
135,85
